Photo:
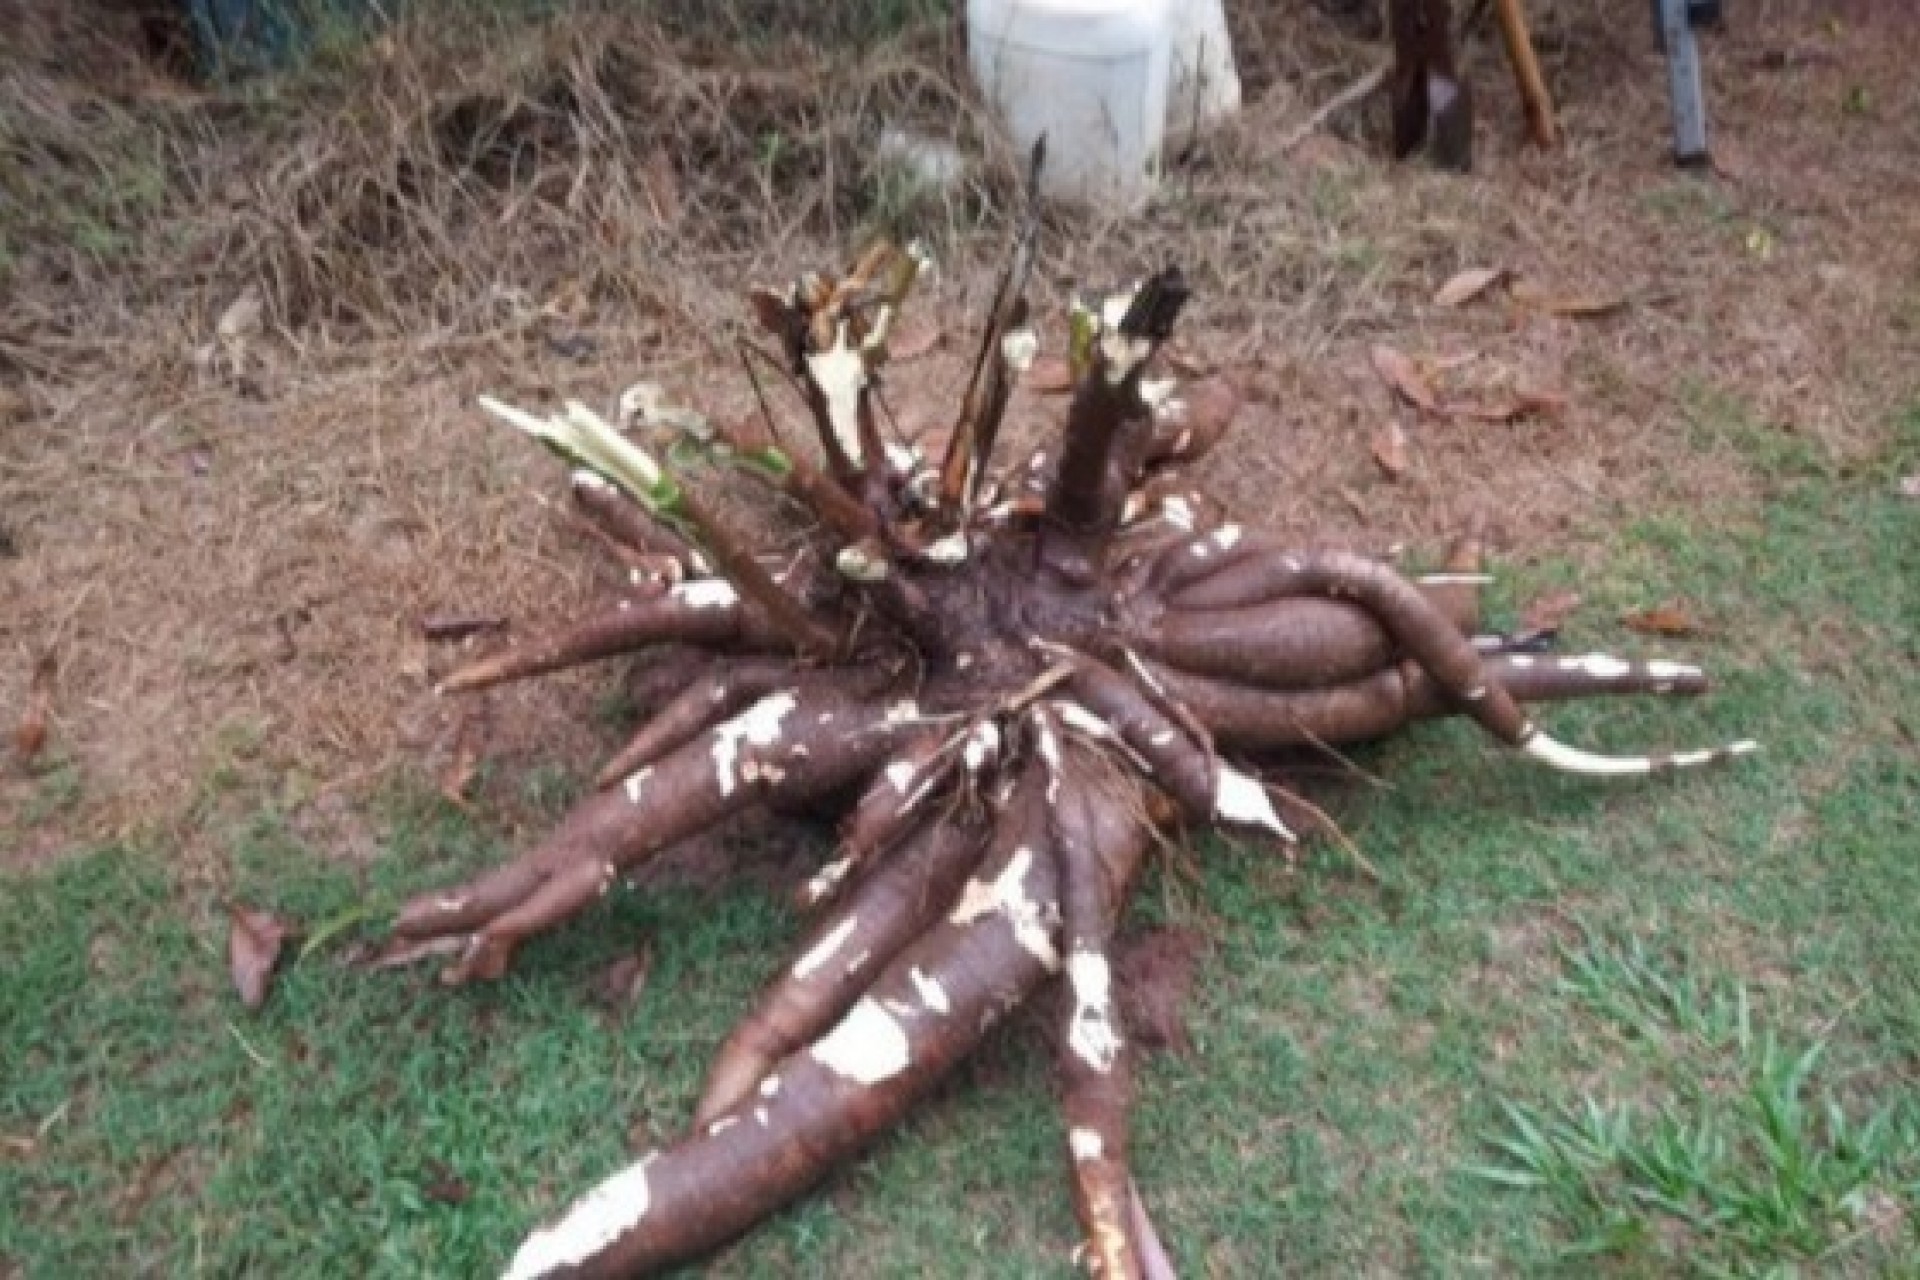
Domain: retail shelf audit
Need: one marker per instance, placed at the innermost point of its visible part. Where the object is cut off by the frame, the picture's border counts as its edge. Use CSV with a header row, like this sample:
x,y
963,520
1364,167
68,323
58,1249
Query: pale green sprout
x,y
585,439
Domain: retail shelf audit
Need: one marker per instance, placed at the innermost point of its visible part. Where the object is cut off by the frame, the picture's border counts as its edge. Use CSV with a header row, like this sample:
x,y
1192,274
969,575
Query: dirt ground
x,y
239,459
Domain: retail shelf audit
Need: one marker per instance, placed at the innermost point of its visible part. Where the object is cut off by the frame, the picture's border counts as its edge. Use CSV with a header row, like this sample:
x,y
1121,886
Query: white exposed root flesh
x,y
952,549
824,882
1569,759
1455,579
706,593
867,1046
823,951
931,993
1600,666
1031,920
841,374
1019,348
594,1222
860,566
1085,1144
635,783
758,726
1091,1035
983,744
1240,798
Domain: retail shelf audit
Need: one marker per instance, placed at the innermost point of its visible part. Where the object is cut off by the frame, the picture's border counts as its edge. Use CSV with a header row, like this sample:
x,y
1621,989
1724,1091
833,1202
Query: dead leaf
x,y
1390,450
1577,306
458,626
241,319
1049,376
254,939
18,1148
1399,371
444,1186
1468,285
911,342
31,735
619,985
1669,619
1549,612
1524,403
1154,980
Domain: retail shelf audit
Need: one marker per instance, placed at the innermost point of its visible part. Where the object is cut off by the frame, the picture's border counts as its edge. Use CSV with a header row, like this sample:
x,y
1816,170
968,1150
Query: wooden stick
x,y
1534,97
1347,97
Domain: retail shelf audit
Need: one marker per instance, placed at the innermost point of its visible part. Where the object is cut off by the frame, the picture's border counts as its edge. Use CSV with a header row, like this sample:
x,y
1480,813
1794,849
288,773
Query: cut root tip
x,y
1570,759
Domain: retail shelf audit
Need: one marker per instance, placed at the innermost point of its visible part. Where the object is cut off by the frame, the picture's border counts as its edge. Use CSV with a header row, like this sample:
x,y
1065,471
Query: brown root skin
x,y
923,1013
708,614
1362,710
881,914
1095,847
1003,686
787,748
623,520
724,689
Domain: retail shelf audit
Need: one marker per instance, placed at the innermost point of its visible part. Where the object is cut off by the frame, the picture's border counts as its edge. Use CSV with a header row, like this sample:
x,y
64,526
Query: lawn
x,y
1664,1027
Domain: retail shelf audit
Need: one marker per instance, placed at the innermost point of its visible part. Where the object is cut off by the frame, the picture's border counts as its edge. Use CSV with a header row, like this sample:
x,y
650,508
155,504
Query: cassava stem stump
x,y
1009,678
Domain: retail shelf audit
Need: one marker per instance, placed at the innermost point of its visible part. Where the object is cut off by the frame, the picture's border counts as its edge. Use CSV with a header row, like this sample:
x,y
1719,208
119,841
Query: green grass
x,y
1640,1029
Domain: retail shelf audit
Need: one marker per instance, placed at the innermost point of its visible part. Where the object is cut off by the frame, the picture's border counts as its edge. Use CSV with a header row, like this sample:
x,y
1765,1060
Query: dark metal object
x,y
1683,78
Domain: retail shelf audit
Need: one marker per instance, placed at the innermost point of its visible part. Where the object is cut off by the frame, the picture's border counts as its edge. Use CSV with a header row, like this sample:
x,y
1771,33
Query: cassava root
x,y
1011,681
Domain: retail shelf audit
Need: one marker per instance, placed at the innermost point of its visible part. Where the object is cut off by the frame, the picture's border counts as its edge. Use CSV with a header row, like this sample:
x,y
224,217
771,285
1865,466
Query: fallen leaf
x,y
1573,305
1049,376
571,346
254,939
1398,371
18,1148
241,319
1521,404
1669,619
31,735
458,626
1910,485
619,985
1468,285
911,342
1154,980
1549,612
1390,450
444,1186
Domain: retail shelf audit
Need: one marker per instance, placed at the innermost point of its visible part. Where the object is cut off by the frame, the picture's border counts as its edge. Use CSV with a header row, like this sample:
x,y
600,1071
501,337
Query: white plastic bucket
x,y
1092,75
1205,87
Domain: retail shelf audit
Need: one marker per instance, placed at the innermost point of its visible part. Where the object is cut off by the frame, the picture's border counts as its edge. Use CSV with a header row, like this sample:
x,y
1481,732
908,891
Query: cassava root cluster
x,y
1011,680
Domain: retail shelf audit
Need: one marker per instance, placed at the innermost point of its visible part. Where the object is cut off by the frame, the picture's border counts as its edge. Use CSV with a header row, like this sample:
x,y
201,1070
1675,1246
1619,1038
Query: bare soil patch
x,y
239,460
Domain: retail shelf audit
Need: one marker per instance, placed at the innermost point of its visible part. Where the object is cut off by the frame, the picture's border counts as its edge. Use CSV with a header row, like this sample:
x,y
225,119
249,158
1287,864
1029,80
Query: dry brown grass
x,y
228,545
